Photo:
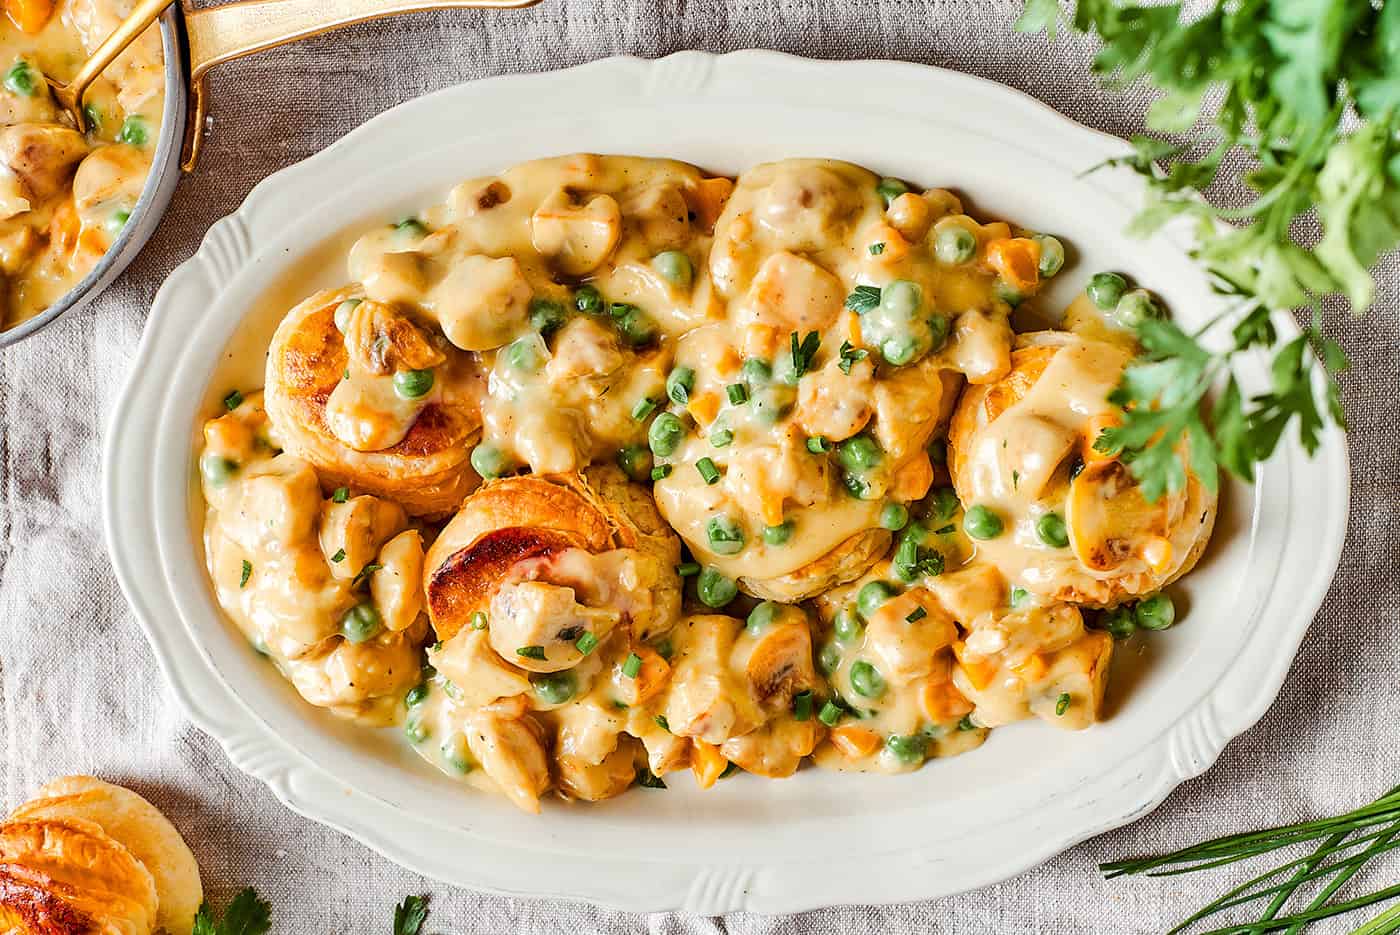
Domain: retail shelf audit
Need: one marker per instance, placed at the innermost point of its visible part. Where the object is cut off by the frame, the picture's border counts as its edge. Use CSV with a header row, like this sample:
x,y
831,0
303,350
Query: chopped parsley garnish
x,y
247,573
410,915
233,400
944,530
632,665
364,574
915,615
647,779
850,356
804,352
586,643
1062,705
877,248
863,299
966,723
662,723
246,915
341,494
339,555
531,652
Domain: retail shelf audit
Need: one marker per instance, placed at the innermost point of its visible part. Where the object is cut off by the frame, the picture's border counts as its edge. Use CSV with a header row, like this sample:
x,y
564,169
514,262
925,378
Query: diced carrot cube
x,y
855,742
706,762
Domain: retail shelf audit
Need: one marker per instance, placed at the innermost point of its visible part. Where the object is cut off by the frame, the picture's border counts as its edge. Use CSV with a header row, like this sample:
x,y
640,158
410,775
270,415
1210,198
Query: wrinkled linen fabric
x,y
80,690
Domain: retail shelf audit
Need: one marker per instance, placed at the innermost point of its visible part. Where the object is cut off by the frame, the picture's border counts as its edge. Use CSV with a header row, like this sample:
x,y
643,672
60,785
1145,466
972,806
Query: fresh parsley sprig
x,y
247,914
410,915
1307,94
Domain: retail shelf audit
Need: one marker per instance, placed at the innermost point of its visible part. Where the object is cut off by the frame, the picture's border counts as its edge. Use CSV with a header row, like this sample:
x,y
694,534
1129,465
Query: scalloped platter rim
x,y
749,844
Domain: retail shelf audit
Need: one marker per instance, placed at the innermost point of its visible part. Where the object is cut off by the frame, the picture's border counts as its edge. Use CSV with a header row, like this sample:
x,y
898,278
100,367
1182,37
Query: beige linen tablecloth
x,y
80,691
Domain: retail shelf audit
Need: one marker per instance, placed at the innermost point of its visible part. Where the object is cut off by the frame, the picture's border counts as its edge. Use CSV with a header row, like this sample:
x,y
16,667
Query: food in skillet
x,y
490,466
65,195
84,856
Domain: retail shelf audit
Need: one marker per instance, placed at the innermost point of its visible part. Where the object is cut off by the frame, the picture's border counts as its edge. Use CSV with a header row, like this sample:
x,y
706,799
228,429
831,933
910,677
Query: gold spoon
x,y
217,34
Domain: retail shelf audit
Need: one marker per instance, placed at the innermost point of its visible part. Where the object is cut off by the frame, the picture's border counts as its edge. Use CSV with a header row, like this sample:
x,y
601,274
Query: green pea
x,y
1155,613
524,354
899,350
854,484
846,625
665,434
1119,622
588,300
757,370
412,384
943,503
982,523
894,516
1008,293
715,589
779,534
416,695
871,595
889,189
1052,255
116,221
1051,530
867,680
635,326
546,316
21,79
725,535
907,748
829,658
489,461
415,730
454,757
554,687
770,404
762,617
679,385
1020,597
902,298
342,313
1135,307
217,470
133,131
859,453
675,266
361,622
955,245
636,462
1105,289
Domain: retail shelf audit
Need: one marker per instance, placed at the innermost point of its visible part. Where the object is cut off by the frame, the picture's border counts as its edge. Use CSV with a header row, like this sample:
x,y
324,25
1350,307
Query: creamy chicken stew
x,y
606,468
65,196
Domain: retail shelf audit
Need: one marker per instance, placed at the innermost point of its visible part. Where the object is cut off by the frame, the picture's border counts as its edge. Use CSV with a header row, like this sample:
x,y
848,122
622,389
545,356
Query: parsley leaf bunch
x,y
1307,94
247,914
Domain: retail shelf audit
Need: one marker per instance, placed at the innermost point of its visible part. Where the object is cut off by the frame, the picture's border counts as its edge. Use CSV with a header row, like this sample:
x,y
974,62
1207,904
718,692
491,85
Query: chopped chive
x,y
247,573
738,393
877,248
944,530
830,714
686,569
661,472
818,445
1062,705
966,723
632,665
364,574
707,470
802,706
586,643
722,438
645,407
479,622
662,723
917,614
339,555
233,400
341,494
531,652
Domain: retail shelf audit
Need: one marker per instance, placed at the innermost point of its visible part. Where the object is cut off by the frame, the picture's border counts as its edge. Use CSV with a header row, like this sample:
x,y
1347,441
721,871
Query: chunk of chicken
x,y
906,651
586,357
661,215
42,156
578,235
511,751
593,782
482,303
706,698
536,625
779,660
791,293
776,749
834,404
806,207
107,181
397,586
364,680
481,676
381,341
352,532
275,503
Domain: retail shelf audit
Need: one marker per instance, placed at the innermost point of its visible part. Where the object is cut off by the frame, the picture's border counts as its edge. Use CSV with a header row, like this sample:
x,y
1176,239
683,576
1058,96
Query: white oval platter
x,y
748,844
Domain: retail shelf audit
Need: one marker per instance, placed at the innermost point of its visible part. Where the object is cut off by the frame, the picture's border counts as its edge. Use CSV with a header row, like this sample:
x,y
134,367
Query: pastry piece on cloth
x,y
334,400
86,856
1077,527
